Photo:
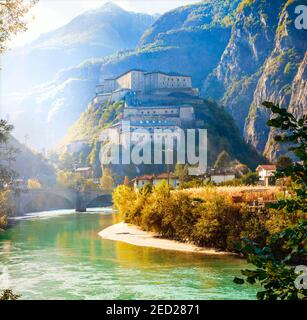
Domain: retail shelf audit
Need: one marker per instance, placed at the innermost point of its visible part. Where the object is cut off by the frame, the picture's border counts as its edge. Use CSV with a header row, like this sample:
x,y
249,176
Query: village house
x,y
266,173
153,180
218,178
85,172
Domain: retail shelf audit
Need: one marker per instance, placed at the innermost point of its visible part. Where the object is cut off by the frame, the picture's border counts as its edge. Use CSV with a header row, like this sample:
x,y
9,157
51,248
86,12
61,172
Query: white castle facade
x,y
153,100
142,81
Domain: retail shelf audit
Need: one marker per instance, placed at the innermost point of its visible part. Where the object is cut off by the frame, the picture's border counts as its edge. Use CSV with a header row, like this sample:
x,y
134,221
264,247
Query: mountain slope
x,y
56,105
276,83
220,137
93,34
29,164
264,60
45,111
188,40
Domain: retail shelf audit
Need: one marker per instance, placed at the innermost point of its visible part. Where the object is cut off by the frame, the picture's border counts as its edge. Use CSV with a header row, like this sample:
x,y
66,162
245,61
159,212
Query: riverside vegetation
x,y
208,216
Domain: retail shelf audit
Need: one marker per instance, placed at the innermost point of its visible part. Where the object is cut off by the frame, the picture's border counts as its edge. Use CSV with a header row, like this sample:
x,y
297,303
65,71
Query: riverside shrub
x,y
211,219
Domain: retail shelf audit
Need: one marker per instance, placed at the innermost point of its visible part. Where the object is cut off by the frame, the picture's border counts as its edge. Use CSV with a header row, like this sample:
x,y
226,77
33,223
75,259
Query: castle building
x,y
153,100
139,80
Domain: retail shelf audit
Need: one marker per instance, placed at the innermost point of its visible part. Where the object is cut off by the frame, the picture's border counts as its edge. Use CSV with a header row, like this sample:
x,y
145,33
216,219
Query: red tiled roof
x,y
267,167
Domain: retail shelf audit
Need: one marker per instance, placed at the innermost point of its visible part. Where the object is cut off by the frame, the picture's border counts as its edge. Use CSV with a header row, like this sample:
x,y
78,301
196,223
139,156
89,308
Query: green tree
x,y
182,172
67,161
250,179
283,162
275,262
107,181
12,13
223,161
8,294
75,181
7,175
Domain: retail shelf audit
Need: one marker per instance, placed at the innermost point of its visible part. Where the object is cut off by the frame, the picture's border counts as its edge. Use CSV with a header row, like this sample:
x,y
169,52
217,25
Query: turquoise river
x,y
59,255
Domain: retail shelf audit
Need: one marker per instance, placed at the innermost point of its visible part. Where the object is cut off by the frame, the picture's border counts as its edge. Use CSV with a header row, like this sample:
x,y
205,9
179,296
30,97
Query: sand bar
x,y
133,235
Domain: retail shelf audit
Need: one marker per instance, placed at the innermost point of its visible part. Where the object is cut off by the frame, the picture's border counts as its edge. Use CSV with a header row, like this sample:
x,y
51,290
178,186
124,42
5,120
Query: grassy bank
x,y
216,217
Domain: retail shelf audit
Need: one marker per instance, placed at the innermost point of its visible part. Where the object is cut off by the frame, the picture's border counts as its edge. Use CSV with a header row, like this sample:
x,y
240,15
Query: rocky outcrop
x,y
234,80
264,60
298,100
276,83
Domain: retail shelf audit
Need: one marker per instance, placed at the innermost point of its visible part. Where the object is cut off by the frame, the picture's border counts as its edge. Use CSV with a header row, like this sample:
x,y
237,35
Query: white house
x,y
85,172
221,177
266,172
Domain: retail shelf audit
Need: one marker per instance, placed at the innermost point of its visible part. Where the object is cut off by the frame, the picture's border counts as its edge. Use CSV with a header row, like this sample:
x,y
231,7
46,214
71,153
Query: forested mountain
x,y
239,53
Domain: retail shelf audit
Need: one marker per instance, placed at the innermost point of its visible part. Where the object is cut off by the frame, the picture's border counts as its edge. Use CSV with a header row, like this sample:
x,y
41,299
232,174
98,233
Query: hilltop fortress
x,y
145,82
153,100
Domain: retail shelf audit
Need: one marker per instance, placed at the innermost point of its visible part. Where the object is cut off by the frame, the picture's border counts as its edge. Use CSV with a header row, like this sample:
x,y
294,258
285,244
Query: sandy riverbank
x,y
133,235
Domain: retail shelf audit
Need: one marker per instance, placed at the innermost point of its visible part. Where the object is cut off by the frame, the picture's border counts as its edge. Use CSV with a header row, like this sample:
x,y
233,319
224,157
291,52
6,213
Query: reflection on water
x,y
59,255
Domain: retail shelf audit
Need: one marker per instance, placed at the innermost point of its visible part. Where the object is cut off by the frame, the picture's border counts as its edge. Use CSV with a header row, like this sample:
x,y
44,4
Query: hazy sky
x,y
51,14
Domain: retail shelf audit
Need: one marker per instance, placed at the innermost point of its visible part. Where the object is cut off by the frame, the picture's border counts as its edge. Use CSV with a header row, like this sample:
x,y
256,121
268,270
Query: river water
x,y
59,255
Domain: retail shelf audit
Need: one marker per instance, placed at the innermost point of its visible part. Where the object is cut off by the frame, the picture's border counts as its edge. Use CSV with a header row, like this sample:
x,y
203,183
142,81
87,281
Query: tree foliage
x,y
6,174
275,261
107,181
34,184
182,172
12,19
75,181
8,294
223,161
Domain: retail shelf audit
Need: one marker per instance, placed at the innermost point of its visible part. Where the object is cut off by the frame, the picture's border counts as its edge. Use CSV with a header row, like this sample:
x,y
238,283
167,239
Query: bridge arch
x,y
48,199
99,200
40,201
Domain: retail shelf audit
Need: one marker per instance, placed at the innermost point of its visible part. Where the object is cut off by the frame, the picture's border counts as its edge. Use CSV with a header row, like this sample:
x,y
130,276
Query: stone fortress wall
x,y
153,100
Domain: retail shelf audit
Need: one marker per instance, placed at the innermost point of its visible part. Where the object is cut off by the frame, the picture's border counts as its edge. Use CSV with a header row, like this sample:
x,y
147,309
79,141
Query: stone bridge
x,y
76,199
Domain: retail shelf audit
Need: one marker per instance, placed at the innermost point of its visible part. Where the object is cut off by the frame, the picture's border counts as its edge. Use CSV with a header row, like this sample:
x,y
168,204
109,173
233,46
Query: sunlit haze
x,y
48,15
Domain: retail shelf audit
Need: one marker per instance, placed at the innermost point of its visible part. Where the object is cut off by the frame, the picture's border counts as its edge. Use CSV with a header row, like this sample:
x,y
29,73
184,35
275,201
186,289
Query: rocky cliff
x,y
264,60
